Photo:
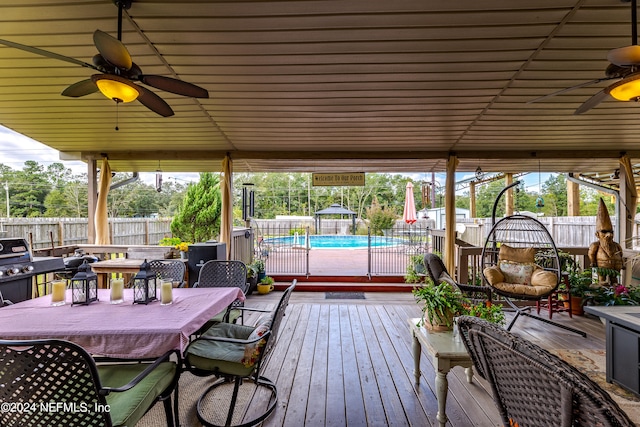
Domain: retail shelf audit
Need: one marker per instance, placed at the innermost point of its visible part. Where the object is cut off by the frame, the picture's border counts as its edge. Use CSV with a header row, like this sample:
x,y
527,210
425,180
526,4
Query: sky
x,y
15,149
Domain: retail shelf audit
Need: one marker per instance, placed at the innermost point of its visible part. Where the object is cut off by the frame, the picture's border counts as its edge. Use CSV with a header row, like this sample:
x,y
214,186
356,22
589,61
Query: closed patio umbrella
x,y
101,219
409,214
226,220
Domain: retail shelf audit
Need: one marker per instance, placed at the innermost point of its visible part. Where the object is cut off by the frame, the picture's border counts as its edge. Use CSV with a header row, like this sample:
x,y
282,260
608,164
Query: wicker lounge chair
x,y
533,388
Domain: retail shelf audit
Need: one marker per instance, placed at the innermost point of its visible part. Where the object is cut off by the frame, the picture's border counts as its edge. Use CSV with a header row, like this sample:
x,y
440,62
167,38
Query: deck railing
x,y
469,262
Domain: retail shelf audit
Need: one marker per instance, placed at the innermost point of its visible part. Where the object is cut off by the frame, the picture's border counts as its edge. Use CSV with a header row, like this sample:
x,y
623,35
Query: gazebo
x,y
335,209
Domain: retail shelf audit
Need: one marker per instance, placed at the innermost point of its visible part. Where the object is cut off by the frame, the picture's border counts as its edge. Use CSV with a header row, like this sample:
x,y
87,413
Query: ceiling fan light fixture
x,y
627,89
116,88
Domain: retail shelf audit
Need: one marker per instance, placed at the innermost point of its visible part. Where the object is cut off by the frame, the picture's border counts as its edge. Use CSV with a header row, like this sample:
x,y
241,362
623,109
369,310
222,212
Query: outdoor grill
x,y
71,264
18,266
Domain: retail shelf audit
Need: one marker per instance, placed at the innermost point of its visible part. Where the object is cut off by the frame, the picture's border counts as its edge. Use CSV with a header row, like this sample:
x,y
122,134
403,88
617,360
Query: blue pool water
x,y
332,241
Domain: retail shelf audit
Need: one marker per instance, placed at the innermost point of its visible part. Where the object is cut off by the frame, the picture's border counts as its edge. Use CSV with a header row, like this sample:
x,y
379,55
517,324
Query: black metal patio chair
x,y
224,273
236,353
437,272
169,269
38,373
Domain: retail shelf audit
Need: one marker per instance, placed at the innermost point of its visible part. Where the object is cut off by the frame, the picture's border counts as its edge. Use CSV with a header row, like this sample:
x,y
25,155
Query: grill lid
x,y
14,250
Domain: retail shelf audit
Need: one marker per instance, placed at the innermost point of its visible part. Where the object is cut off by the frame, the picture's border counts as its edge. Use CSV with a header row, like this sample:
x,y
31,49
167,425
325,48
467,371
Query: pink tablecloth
x,y
123,330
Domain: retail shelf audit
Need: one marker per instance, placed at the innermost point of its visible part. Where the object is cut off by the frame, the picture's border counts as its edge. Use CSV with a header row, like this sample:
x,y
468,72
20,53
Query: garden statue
x,y
605,254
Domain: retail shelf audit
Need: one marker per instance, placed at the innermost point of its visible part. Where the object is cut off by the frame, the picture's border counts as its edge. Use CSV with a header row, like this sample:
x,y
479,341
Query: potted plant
x,y
440,304
265,285
183,247
489,312
617,295
259,267
415,270
255,273
580,287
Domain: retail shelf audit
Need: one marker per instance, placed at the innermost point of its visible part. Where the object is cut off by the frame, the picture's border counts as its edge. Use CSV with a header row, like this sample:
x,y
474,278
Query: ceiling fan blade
x,y
46,53
154,102
568,89
593,101
625,56
176,86
82,88
112,50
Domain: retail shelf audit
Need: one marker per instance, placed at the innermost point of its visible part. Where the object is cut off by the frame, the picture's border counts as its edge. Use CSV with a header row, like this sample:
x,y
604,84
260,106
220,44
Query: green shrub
x,y
301,231
169,241
380,218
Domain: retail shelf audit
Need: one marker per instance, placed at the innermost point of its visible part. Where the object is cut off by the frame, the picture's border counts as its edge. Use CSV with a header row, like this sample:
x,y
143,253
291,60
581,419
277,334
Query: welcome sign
x,y
338,179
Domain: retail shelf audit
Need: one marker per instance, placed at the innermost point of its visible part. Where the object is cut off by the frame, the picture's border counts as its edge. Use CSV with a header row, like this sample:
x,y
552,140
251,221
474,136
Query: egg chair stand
x,y
520,261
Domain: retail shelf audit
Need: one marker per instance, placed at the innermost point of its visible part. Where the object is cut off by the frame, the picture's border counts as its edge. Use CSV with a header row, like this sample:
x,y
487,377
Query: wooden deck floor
x,y
348,362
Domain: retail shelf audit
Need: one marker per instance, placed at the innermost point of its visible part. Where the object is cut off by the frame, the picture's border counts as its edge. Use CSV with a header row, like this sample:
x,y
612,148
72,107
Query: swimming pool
x,y
333,241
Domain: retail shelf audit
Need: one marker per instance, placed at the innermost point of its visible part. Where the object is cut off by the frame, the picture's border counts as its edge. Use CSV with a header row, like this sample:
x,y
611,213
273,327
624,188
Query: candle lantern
x,y
144,285
84,286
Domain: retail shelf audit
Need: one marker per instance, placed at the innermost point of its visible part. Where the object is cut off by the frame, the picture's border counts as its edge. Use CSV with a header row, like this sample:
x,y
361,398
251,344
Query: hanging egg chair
x,y
520,261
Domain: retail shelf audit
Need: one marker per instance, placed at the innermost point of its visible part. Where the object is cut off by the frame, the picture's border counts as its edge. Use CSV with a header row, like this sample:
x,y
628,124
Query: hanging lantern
x,y
539,200
144,285
84,286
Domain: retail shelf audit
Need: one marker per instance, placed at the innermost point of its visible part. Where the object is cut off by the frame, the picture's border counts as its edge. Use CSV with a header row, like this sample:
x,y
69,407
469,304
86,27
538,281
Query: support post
x,y
92,198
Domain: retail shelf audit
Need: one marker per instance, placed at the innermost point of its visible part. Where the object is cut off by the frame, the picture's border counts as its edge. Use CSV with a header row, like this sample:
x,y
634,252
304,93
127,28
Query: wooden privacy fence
x,y
48,232
567,231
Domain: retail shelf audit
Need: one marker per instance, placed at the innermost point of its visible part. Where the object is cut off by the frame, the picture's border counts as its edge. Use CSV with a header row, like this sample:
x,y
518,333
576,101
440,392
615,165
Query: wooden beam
x,y
573,199
450,216
629,200
508,197
472,199
355,155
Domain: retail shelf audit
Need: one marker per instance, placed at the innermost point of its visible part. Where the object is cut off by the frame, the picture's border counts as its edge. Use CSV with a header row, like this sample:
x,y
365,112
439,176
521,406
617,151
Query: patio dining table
x,y
126,330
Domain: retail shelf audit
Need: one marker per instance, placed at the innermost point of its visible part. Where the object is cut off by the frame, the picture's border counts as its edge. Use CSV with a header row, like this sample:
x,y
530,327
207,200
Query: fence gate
x,y
284,250
389,254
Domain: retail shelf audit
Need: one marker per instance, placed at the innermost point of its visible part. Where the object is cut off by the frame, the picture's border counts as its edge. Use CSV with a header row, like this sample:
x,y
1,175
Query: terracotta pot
x,y
438,328
441,326
576,306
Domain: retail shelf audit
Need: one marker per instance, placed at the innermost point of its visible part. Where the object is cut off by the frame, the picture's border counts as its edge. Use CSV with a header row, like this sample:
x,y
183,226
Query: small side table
x,y
447,351
554,303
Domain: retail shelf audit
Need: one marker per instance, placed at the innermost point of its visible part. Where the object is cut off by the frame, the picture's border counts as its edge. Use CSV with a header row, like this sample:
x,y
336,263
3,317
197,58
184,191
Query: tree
x,y
198,219
380,218
68,197
554,192
29,189
486,197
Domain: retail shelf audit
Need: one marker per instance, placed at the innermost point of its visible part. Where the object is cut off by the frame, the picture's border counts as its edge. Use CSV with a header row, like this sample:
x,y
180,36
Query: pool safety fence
x,y
291,250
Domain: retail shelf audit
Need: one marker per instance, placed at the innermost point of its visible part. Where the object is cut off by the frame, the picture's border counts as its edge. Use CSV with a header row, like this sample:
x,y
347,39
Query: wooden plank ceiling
x,y
326,85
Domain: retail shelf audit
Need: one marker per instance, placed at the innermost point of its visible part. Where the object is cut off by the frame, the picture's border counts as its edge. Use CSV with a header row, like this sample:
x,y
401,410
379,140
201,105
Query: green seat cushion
x,y
223,357
126,408
233,316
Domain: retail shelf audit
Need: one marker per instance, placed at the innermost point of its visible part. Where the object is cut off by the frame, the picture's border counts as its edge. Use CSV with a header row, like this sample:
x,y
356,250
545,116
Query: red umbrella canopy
x,y
409,214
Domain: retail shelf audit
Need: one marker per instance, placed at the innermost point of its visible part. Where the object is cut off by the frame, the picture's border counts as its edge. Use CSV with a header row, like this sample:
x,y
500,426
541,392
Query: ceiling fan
x,y
118,73
624,67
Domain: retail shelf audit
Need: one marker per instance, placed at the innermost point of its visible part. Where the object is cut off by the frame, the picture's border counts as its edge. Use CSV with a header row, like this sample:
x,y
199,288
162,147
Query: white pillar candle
x,y
117,290
166,291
